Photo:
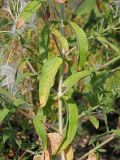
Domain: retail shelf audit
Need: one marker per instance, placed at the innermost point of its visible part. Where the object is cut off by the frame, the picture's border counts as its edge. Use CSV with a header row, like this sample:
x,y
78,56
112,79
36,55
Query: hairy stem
x,y
60,103
60,83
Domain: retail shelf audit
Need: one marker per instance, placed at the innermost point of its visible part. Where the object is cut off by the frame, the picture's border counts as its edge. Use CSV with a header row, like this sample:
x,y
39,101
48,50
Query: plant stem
x,y
60,84
111,62
60,103
99,146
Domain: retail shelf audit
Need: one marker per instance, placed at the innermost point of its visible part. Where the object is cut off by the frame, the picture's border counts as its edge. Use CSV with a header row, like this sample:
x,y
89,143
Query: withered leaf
x,y
45,155
92,156
20,23
37,157
60,1
54,140
69,153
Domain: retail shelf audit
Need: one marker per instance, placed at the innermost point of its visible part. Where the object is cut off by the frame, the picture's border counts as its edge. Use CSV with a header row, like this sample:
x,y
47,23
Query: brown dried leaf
x,y
37,157
60,1
20,23
45,155
54,140
69,153
92,156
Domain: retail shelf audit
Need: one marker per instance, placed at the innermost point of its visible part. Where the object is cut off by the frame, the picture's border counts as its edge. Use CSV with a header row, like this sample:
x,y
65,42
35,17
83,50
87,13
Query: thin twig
x,y
99,146
84,114
31,67
104,66
56,44
71,50
24,113
21,157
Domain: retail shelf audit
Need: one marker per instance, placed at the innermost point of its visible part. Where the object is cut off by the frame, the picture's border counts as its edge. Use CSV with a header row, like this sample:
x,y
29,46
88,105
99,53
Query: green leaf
x,y
107,44
40,130
18,101
101,150
47,78
102,6
72,123
62,40
74,78
13,100
94,121
3,113
44,42
5,93
82,43
3,22
30,9
85,7
6,134
116,131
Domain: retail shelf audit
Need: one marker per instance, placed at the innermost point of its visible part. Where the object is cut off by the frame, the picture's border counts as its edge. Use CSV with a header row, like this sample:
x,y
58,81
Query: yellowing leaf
x,y
47,78
69,153
82,43
62,40
92,156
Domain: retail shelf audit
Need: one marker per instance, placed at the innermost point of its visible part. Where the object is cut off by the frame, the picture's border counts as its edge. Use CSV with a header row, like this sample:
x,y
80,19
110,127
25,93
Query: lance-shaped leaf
x,y
116,131
94,121
72,123
102,7
44,42
47,78
3,113
82,43
40,129
85,7
28,11
74,78
62,40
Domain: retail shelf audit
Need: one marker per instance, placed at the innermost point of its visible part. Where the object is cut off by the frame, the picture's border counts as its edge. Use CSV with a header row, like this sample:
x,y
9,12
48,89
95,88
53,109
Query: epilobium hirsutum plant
x,y
66,63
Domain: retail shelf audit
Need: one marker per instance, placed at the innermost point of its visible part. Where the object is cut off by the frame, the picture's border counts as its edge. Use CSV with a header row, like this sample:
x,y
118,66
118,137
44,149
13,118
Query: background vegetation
x,y
59,79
